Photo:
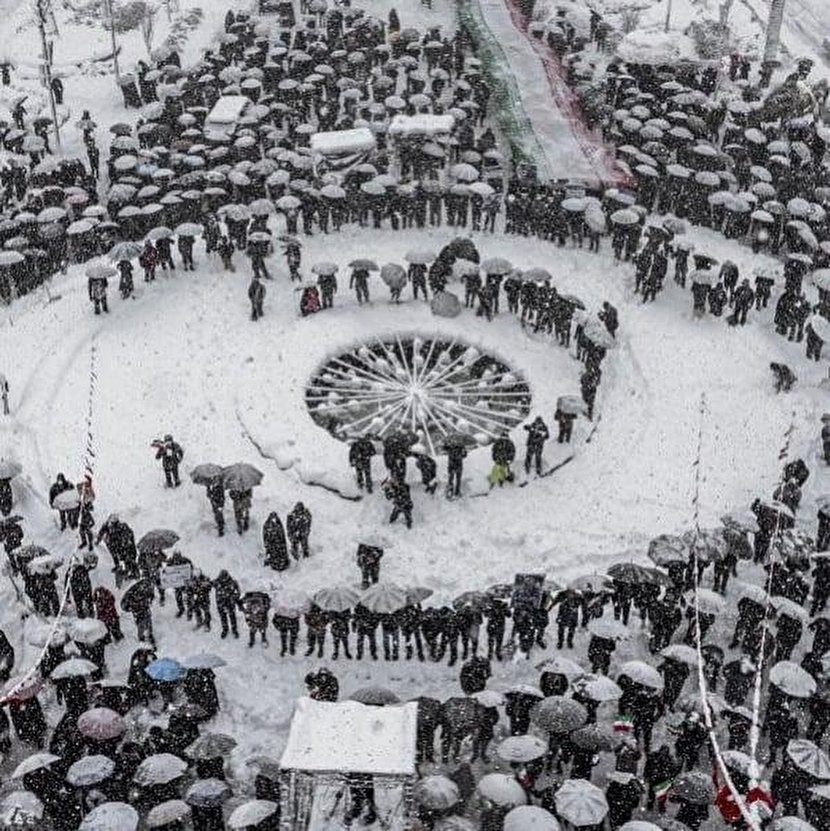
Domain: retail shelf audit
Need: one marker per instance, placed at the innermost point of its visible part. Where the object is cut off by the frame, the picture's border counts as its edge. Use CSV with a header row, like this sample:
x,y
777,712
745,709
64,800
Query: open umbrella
x,y
445,304
188,229
609,628
124,251
157,540
363,264
393,275
581,803
203,660
90,770
529,818
324,268
561,665
101,724
204,793
110,816
810,758
290,603
501,789
251,813
667,549
205,473
384,598
597,687
21,687
496,265
643,674
165,814
87,630
557,714
595,737
681,653
165,669
455,823
693,786
791,679
375,696
241,476
73,668
638,575
36,761
436,793
336,599
521,748
210,746
159,769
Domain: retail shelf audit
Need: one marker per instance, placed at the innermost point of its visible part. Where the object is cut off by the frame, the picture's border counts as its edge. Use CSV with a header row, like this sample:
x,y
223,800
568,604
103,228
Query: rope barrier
x,y
87,492
748,815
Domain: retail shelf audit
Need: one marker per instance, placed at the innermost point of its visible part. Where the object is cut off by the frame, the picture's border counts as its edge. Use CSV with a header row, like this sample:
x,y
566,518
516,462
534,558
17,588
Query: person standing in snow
x,y
537,435
397,492
368,561
276,548
216,497
4,393
256,294
241,501
256,605
298,526
227,601
171,455
360,458
456,454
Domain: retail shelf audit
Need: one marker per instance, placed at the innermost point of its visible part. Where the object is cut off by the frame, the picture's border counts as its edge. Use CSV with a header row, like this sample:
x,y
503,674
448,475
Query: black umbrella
x,y
157,540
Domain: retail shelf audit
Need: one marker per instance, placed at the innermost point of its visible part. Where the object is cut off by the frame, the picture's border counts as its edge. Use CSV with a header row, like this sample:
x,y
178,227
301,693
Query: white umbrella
x,y
166,813
87,630
384,598
501,789
110,816
809,757
436,793
90,770
561,665
581,803
643,674
530,818
34,762
791,679
159,769
521,748
252,813
597,687
73,668
682,653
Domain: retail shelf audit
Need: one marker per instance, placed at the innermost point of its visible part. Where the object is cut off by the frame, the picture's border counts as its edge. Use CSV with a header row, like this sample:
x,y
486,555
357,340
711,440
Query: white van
x,y
225,115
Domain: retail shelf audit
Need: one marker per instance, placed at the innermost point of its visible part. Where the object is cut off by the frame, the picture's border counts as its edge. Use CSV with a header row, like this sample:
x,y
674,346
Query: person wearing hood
x,y
276,548
171,455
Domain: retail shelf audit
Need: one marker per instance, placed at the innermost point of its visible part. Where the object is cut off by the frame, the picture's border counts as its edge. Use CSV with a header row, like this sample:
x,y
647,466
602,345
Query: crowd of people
x,y
641,728
638,725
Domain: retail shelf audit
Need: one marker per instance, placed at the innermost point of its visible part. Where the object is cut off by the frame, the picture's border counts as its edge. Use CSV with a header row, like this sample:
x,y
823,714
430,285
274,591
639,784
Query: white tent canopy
x,y
349,737
335,142
424,124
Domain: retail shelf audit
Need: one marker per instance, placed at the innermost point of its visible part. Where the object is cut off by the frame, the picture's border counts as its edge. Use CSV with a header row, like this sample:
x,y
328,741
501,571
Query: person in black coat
x,y
256,294
674,675
289,629
216,497
360,458
409,621
661,767
125,282
28,721
323,685
298,525
86,522
537,435
456,454
398,493
497,612
428,470
171,455
623,795
80,586
59,486
227,601
164,253
276,548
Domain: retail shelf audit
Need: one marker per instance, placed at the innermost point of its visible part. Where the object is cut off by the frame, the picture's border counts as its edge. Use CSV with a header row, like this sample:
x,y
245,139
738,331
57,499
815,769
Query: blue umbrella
x,y
165,669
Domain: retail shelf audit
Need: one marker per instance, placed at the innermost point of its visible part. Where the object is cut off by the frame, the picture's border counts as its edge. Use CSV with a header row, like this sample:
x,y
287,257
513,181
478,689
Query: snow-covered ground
x,y
184,357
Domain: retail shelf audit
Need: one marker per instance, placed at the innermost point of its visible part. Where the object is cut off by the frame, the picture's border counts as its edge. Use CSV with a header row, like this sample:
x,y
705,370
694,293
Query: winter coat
x,y
298,523
227,591
361,452
537,434
105,610
273,537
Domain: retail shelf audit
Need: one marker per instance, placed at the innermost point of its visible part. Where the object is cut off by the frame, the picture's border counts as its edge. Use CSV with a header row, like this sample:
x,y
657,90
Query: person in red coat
x,y
106,612
728,807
